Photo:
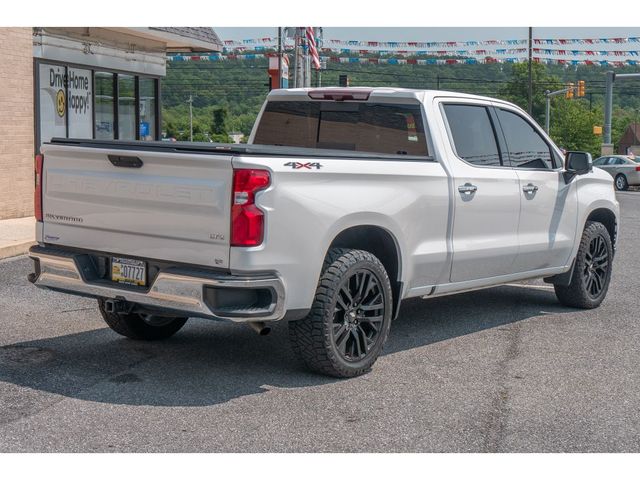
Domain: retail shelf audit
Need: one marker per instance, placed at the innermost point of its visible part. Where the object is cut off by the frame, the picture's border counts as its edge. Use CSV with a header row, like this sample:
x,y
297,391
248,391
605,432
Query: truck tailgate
x,y
175,206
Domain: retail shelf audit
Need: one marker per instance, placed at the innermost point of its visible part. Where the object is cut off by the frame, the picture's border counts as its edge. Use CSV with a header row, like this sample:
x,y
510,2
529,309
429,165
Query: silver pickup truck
x,y
344,203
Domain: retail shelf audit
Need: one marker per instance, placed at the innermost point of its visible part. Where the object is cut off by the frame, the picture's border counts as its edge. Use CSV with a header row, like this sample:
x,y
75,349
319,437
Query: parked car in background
x,y
622,168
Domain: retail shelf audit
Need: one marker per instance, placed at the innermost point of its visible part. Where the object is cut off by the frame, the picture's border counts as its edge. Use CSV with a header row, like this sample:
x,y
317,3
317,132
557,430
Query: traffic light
x,y
569,93
581,88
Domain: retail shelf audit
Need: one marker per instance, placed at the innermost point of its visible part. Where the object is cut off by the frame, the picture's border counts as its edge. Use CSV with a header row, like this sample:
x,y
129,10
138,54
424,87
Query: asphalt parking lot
x,y
500,370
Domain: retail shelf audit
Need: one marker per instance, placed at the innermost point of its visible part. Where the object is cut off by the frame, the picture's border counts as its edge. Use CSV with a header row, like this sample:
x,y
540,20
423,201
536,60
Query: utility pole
x,y
279,57
191,118
530,96
295,58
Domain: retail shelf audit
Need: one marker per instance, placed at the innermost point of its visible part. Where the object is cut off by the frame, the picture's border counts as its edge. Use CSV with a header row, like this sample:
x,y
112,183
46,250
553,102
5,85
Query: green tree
x,y
572,125
219,125
516,90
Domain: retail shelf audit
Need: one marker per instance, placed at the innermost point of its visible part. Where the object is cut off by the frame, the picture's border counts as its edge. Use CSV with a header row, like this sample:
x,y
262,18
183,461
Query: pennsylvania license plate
x,y
126,270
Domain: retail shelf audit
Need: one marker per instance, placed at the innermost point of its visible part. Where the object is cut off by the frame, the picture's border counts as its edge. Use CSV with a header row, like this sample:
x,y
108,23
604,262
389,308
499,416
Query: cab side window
x,y
473,134
527,148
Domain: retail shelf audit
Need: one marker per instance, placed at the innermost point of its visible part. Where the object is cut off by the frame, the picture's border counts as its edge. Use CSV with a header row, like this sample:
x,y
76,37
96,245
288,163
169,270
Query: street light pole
x,y
530,92
548,94
547,111
607,146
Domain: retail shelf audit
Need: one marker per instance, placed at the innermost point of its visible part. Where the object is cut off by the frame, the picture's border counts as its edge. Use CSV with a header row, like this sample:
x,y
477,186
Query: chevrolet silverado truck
x,y
343,203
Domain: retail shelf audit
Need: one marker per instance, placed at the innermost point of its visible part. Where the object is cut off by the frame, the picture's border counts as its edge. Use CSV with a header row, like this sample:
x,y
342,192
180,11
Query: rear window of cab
x,y
395,129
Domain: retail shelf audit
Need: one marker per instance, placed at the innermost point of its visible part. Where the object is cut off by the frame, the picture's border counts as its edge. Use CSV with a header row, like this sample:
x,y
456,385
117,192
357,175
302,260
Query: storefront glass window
x,y
104,105
53,101
147,108
75,102
80,102
126,107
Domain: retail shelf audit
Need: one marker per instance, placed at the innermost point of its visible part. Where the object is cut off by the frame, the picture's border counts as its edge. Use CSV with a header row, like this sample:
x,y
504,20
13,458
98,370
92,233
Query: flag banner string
x,y
378,44
413,61
463,53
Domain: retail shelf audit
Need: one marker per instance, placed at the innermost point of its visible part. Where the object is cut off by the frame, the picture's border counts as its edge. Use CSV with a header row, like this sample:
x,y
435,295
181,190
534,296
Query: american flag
x,y
313,50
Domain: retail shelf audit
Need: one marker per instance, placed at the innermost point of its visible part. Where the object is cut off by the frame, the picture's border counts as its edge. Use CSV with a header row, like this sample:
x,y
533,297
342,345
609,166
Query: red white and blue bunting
x,y
412,61
450,44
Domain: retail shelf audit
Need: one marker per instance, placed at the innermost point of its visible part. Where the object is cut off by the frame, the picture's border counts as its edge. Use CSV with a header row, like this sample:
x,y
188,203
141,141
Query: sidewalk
x,y
16,236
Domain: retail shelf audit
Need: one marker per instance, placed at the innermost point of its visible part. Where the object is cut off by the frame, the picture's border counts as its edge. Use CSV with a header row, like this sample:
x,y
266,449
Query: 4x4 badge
x,y
299,165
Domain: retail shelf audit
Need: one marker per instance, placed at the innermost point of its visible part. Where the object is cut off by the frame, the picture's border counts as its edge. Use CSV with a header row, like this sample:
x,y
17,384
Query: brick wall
x,y
16,123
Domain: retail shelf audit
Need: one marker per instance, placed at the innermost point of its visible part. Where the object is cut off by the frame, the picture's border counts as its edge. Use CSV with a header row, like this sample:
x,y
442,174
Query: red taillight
x,y
638,168
247,220
37,194
340,94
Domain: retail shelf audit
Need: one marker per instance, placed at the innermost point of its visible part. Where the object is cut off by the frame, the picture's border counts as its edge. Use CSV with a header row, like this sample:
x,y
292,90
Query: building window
x,y
105,104
148,95
52,88
78,102
126,107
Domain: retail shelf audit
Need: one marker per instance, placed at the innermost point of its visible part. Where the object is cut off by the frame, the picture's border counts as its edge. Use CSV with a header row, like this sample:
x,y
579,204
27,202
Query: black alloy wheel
x,y
358,315
348,325
596,265
592,269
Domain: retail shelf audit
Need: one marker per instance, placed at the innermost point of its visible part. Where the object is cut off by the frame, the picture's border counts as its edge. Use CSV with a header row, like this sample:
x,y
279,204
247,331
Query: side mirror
x,y
577,163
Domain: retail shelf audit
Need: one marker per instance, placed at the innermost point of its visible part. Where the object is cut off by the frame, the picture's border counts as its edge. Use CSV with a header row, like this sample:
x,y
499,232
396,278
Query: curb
x,y
15,249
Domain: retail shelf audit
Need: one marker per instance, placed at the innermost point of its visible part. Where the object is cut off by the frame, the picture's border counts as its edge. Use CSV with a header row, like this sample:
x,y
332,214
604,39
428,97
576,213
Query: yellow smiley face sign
x,y
60,103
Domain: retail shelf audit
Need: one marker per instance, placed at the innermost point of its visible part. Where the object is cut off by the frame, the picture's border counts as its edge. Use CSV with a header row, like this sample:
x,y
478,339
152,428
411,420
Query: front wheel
x,y
139,326
621,183
592,270
349,322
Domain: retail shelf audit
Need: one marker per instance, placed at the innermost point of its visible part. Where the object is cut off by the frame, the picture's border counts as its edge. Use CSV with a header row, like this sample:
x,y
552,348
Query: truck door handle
x,y
467,188
530,188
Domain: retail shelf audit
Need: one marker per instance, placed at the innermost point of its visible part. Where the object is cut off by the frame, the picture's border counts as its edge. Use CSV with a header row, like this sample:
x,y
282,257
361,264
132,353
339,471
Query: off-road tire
x,y
621,182
577,294
133,325
312,338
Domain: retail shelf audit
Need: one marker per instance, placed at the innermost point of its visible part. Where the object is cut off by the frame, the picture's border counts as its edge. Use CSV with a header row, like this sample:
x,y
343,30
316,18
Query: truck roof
x,y
375,93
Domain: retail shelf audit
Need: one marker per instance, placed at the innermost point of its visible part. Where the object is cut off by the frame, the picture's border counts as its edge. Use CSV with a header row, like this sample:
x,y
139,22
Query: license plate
x,y
126,270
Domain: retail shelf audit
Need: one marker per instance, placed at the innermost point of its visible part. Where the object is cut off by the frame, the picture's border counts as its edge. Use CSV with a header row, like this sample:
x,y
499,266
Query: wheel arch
x,y
608,218
381,243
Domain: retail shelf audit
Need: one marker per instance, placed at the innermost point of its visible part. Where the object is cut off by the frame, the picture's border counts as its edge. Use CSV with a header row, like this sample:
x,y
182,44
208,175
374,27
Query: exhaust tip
x,y
260,328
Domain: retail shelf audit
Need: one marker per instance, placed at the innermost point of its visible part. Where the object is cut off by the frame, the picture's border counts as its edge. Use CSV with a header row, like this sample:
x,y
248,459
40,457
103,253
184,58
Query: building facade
x,y
101,83
16,123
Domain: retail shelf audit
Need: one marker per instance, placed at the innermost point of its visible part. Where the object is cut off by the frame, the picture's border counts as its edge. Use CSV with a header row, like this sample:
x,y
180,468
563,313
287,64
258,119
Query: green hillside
x,y
227,95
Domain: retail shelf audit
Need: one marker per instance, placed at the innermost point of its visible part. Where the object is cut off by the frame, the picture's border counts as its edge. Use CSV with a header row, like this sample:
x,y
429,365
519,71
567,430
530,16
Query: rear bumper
x,y
185,291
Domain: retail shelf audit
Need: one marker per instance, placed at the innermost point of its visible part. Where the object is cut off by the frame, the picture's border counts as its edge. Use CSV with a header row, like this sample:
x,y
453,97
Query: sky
x,y
429,34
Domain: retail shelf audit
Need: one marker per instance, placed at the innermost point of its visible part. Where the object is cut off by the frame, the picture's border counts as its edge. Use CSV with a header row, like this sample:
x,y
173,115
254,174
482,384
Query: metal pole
x,y
530,104
279,57
190,118
608,107
295,60
548,111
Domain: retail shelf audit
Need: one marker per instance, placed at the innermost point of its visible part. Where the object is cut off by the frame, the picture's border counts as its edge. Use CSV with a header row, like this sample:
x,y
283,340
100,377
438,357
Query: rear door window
x,y
359,127
473,134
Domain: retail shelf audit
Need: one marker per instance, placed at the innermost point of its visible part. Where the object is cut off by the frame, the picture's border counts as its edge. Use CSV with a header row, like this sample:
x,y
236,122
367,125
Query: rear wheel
x,y
592,270
140,326
621,182
349,322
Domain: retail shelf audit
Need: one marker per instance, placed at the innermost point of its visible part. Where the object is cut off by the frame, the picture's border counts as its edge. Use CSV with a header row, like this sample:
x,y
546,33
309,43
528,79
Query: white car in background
x,y
622,168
